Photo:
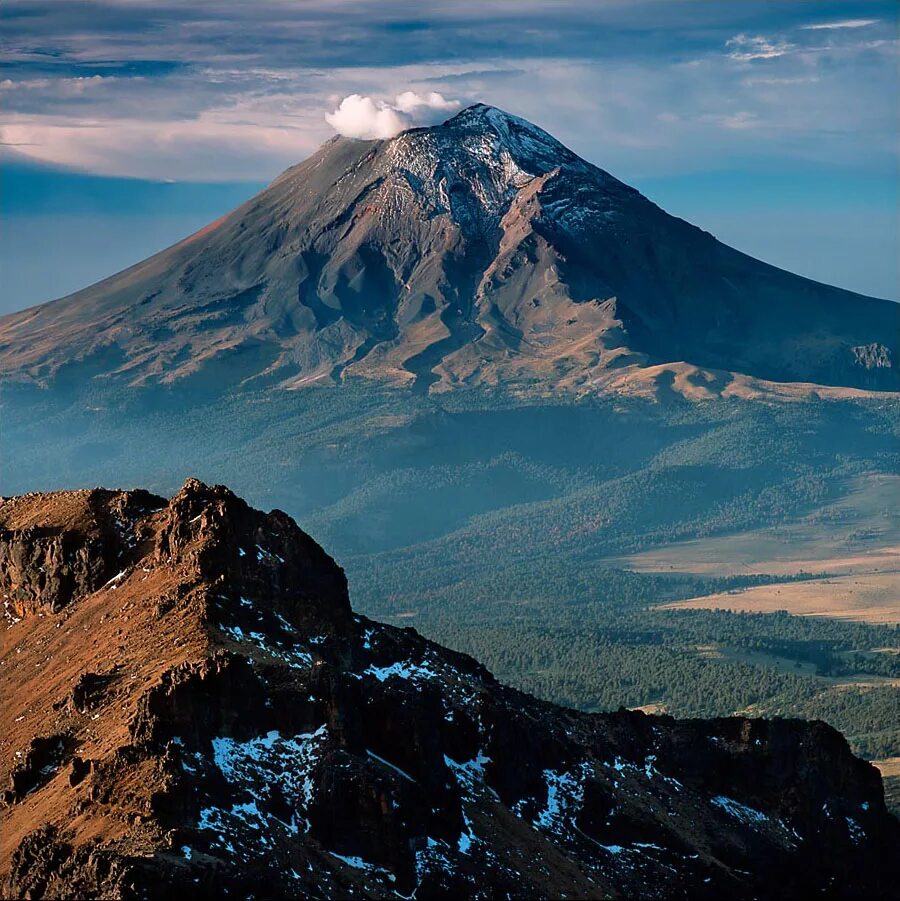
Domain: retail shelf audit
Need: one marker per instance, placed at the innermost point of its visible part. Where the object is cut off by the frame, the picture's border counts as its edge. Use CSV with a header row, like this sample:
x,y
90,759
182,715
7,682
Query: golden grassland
x,y
866,597
852,544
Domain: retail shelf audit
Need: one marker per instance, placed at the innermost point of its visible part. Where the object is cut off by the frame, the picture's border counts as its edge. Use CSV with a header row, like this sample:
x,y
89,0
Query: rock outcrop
x,y
55,548
190,705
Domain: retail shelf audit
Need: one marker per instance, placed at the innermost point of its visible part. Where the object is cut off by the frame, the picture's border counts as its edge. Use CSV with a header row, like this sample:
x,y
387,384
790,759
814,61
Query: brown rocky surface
x,y
190,705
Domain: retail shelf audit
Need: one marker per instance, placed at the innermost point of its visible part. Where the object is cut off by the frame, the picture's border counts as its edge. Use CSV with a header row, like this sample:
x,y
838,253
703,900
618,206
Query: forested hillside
x,y
503,527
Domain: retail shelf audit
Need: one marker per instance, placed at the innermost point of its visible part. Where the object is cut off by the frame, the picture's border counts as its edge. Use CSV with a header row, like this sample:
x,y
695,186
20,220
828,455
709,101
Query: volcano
x,y
479,252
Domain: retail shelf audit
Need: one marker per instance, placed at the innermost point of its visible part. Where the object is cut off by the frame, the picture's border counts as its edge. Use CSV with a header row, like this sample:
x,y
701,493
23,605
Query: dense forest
x,y
599,656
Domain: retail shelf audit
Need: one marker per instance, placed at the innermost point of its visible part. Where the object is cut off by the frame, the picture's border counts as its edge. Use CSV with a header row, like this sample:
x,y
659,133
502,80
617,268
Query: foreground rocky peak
x,y
473,254
61,546
194,707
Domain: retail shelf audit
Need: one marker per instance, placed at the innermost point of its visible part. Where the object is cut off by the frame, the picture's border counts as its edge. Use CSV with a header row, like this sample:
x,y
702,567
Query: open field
x,y
866,597
852,542
857,532
890,774
890,767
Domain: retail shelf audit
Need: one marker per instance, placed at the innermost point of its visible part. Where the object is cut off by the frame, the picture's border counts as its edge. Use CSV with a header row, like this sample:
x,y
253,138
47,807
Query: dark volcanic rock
x,y
217,721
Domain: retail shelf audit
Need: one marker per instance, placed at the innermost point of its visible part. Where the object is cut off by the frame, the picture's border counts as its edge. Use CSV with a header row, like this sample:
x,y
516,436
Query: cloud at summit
x,y
363,117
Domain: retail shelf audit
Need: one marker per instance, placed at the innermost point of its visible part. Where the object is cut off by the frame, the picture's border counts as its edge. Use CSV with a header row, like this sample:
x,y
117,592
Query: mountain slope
x,y
193,706
477,252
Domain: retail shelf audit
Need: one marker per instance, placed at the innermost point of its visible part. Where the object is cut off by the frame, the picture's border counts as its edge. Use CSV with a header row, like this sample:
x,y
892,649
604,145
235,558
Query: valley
x,y
538,536
531,415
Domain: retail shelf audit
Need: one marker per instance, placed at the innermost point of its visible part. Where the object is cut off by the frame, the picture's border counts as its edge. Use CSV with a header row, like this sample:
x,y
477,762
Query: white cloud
x,y
846,23
161,150
413,103
775,80
63,87
746,47
741,120
363,117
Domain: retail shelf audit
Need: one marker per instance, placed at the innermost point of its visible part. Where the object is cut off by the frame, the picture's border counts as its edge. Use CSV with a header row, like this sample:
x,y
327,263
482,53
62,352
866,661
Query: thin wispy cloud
x,y
741,120
749,47
834,26
226,90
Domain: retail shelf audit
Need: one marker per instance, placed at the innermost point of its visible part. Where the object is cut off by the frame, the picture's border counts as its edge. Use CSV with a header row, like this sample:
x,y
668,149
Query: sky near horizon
x,y
126,125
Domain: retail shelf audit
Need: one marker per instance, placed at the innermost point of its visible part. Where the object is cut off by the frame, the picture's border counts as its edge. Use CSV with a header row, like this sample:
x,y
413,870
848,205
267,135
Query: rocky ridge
x,y
190,704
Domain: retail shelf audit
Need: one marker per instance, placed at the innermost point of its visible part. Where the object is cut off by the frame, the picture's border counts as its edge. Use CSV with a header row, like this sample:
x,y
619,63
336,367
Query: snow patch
x,y
857,833
294,658
263,555
412,671
748,815
467,837
565,795
469,775
390,765
370,869
114,581
255,769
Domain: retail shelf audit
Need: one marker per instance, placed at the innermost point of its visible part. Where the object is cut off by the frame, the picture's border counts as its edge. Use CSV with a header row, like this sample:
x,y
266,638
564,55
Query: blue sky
x,y
128,124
